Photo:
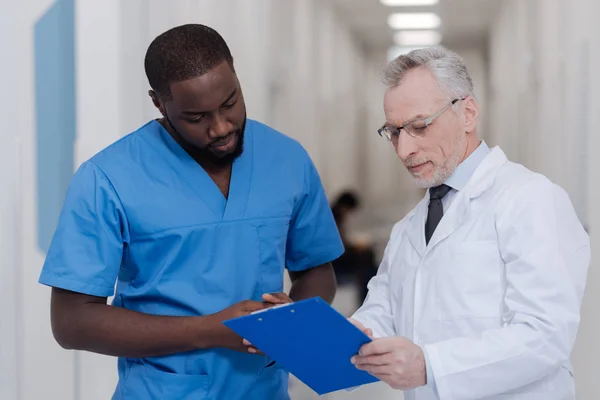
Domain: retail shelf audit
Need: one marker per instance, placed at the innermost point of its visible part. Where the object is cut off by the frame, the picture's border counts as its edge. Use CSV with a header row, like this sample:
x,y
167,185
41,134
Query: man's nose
x,y
219,127
405,145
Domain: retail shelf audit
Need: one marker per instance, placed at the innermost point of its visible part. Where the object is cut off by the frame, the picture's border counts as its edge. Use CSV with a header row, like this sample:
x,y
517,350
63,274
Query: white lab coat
x,y
494,299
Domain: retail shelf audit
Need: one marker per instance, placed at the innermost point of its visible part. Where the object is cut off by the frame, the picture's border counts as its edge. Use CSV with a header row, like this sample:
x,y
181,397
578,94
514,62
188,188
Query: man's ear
x,y
471,114
157,103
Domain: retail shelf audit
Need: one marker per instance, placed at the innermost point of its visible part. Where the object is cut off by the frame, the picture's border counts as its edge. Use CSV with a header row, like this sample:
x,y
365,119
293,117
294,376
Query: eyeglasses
x,y
415,128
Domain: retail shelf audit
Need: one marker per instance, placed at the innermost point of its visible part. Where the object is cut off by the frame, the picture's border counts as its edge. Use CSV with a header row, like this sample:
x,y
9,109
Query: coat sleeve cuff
x,y
430,377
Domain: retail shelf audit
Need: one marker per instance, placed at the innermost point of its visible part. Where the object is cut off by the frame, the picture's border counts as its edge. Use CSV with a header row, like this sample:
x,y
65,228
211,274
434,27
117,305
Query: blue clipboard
x,y
309,339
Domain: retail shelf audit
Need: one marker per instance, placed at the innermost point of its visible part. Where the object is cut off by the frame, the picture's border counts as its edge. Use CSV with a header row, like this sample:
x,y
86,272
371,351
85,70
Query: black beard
x,y
203,155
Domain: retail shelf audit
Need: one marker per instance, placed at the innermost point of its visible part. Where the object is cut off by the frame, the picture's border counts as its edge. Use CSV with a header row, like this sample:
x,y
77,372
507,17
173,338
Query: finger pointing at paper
x,y
276,298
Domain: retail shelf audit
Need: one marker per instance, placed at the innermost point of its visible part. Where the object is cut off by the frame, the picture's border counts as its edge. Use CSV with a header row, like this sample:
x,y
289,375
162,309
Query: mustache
x,y
224,139
413,162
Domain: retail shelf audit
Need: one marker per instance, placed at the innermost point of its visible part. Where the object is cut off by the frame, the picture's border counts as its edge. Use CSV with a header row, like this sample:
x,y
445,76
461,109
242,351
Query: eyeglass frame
x,y
428,121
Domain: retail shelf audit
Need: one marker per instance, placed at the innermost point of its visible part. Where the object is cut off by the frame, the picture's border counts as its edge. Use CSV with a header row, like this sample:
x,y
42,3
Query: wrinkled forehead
x,y
418,95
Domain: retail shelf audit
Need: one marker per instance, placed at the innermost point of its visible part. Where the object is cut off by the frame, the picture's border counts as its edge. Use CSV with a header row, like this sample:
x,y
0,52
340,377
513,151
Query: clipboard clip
x,y
271,308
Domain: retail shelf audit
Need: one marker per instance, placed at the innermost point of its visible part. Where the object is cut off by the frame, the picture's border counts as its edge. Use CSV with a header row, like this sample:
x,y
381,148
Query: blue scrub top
x,y
143,213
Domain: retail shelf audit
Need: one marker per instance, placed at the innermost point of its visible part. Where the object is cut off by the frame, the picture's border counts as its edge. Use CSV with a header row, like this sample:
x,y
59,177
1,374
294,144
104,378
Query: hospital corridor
x,y
294,210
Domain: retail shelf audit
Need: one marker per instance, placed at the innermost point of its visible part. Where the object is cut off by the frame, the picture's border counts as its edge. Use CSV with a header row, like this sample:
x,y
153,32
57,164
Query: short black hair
x,y
182,53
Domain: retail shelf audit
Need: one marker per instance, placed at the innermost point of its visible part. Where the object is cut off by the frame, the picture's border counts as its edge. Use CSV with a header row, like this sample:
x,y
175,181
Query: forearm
x,y
115,331
319,281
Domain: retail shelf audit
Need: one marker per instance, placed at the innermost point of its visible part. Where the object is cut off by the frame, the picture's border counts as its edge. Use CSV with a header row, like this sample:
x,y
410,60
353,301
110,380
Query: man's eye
x,y
229,105
418,126
196,120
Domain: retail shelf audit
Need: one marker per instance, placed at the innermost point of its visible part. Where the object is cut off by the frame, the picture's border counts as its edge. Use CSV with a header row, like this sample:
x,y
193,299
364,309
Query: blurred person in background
x,y
480,288
357,265
194,216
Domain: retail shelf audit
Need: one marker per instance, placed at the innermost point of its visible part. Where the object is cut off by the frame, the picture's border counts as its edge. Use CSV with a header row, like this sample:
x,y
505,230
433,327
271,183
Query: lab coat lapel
x,y
452,219
458,211
241,174
416,230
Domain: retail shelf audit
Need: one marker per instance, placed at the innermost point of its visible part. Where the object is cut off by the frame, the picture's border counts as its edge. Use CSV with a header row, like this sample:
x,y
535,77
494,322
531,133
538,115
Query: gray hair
x,y
448,68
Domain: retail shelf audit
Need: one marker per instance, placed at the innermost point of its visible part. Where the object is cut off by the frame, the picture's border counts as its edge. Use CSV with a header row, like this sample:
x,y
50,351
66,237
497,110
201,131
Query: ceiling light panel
x,y
414,21
408,3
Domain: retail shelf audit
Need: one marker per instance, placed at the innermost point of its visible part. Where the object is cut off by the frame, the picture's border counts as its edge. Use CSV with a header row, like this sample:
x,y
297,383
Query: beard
x,y
223,159
207,154
441,173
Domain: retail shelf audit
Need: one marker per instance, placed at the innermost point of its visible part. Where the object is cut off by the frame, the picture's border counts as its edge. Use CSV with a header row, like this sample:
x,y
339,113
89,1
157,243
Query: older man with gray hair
x,y
479,292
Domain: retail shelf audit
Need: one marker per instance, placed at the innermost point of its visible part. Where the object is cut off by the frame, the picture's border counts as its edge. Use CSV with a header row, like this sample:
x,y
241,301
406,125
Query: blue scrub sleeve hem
x,y
323,257
60,282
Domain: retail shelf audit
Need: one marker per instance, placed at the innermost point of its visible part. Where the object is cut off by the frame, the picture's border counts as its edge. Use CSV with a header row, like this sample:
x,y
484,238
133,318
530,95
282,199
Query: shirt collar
x,y
458,180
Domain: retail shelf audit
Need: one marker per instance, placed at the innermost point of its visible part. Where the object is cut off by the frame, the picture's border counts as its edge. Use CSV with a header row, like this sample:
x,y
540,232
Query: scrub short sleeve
x,y
87,248
314,238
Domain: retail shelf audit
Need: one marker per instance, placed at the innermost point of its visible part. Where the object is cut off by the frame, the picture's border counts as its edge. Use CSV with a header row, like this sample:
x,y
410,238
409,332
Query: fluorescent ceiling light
x,y
417,38
414,21
408,3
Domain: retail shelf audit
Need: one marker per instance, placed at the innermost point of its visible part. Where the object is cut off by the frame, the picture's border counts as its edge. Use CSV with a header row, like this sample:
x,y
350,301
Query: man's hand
x,y
270,300
395,360
366,331
229,339
276,298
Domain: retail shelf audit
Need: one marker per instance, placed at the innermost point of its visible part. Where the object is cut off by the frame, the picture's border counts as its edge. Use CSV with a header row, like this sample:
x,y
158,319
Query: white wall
x,y
9,152
31,365
587,165
317,88
477,64
544,113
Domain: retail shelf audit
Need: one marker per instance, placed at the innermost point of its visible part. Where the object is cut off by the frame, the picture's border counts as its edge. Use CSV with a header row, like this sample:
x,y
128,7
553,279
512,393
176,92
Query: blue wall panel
x,y
55,112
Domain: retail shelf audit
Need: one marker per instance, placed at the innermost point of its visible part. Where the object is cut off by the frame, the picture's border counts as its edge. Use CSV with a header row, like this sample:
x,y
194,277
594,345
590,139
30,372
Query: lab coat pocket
x,y
272,239
146,382
470,282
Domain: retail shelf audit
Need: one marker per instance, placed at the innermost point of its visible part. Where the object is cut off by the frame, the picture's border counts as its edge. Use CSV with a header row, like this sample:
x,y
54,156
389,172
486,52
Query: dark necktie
x,y
436,209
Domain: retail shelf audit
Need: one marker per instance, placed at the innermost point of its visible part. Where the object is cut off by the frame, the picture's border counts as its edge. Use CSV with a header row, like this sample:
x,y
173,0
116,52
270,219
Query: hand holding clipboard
x,y
309,339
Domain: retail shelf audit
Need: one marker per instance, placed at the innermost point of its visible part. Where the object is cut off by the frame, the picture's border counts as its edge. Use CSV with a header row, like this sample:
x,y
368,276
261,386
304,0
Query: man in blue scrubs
x,y
194,216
